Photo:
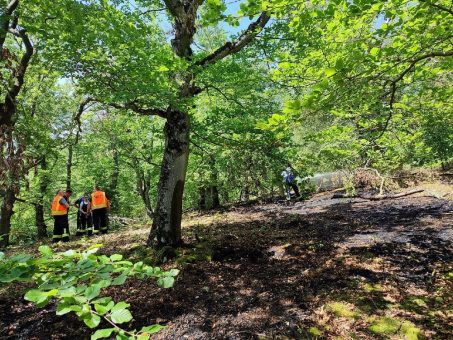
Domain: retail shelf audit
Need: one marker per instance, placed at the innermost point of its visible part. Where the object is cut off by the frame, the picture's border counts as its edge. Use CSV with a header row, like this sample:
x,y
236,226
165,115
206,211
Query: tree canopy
x,y
116,93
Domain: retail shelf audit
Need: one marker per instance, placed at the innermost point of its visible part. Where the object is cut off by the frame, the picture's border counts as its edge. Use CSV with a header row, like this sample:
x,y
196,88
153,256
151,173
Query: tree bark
x,y
6,213
69,166
166,229
11,150
115,175
143,187
39,207
215,201
202,198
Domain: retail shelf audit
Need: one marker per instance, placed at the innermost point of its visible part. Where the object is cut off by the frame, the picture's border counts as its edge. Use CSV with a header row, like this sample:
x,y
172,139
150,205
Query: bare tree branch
x,y
80,111
237,102
394,82
140,110
442,8
422,57
233,47
9,106
5,19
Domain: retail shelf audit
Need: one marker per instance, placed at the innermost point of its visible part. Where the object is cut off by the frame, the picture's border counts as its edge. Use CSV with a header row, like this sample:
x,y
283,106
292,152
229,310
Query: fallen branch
x,y
379,197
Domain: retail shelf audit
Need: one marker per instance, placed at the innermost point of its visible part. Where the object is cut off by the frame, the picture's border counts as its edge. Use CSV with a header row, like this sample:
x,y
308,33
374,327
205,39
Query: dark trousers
x,y
60,228
84,224
294,187
100,220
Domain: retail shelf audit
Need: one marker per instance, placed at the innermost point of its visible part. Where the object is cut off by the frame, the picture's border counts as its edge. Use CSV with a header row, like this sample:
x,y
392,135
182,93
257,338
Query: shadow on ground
x,y
362,270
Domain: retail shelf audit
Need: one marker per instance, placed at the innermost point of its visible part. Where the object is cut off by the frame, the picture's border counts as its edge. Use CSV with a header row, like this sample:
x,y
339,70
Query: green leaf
x,y
172,272
64,308
166,282
119,280
102,333
152,329
101,309
92,292
330,72
69,253
45,250
92,320
103,300
68,292
36,296
2,255
121,316
104,283
120,305
116,257
374,51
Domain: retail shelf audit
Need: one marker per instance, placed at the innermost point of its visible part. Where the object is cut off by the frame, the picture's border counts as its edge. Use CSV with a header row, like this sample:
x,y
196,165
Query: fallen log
x,y
379,197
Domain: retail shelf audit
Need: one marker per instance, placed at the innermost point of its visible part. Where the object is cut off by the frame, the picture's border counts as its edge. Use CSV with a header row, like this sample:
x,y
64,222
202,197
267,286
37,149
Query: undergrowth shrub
x,y
75,279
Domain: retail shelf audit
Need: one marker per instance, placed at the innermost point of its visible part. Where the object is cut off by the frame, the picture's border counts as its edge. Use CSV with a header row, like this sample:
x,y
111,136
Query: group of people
x,y
92,215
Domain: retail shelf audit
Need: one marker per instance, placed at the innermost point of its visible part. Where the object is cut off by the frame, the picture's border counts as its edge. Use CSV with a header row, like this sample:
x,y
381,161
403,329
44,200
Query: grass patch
x,y
201,253
342,309
368,287
315,331
390,326
385,325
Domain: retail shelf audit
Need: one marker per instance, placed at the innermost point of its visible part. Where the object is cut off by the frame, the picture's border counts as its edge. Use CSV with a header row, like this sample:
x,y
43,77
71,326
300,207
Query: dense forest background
x,y
322,85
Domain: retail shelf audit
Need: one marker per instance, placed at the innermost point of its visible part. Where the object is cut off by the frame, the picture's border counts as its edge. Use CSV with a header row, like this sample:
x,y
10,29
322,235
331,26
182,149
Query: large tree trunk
x,y
39,207
166,229
5,215
11,152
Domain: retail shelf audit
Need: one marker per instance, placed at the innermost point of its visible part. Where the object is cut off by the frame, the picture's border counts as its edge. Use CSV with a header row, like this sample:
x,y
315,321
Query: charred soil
x,y
322,268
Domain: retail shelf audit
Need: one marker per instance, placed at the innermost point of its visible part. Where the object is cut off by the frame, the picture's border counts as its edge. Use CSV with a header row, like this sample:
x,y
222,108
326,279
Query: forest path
x,y
323,267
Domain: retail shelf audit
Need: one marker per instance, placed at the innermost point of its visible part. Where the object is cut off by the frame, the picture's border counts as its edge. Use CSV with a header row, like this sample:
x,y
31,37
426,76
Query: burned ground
x,y
321,268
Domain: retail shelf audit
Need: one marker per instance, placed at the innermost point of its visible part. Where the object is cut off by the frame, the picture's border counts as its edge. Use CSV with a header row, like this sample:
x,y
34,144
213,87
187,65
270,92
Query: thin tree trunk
x,y
213,191
202,198
115,174
69,167
143,187
166,229
147,199
39,207
215,197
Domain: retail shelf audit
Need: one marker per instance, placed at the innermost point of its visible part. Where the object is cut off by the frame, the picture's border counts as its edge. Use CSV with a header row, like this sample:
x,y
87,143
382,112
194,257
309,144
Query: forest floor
x,y
322,268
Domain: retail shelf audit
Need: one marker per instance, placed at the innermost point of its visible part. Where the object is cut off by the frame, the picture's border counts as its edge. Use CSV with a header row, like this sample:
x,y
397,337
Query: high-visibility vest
x,y
58,208
98,200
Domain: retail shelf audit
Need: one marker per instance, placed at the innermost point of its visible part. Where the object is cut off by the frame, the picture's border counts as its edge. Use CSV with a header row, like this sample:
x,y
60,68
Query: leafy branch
x,y
76,279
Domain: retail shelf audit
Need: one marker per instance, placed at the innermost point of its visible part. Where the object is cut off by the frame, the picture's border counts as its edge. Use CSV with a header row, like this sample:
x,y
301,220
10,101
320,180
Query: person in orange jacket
x,y
99,206
60,207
